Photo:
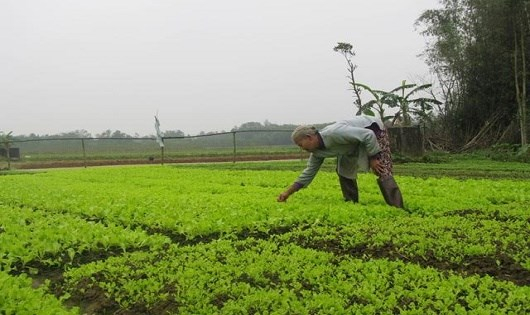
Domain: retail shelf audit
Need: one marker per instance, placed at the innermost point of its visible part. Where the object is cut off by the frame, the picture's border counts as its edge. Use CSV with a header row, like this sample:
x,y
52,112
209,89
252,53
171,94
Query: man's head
x,y
306,137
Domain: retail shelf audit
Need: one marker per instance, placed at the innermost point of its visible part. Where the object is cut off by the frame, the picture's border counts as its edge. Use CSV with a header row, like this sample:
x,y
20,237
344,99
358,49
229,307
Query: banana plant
x,y
420,107
423,108
401,97
381,101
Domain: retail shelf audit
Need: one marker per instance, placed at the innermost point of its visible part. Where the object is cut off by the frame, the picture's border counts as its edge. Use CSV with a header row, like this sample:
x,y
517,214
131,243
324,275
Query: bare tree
x,y
347,51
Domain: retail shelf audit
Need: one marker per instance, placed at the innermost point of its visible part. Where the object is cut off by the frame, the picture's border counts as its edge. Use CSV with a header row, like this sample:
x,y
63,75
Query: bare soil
x,y
205,159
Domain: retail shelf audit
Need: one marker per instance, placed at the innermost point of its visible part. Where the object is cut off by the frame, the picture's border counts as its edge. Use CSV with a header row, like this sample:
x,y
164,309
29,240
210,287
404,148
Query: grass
x,y
457,167
479,164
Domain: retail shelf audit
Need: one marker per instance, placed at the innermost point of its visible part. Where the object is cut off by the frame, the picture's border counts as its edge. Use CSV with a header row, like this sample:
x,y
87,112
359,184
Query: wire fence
x,y
232,146
225,146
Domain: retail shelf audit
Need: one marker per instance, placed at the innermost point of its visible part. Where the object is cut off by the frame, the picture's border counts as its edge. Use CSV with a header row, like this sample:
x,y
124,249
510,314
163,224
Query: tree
x,y
521,29
174,133
6,140
475,48
119,134
105,134
347,51
80,133
251,125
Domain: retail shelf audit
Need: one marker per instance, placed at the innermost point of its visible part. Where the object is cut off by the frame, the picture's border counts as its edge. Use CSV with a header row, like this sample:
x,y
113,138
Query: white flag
x,y
159,138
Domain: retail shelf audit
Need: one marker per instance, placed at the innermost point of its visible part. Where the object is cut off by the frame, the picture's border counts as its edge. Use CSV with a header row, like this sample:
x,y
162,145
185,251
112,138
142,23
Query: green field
x,y
211,239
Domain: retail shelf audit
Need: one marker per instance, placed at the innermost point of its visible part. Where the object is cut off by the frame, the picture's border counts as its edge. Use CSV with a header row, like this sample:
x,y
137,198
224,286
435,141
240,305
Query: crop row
x,y
195,202
33,239
19,297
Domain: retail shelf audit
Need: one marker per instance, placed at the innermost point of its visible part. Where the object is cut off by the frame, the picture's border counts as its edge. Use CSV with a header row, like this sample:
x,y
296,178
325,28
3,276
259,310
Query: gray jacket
x,y
350,142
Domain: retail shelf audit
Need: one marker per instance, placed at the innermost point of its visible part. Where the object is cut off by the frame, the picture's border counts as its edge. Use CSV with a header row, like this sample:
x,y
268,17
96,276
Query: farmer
x,y
359,144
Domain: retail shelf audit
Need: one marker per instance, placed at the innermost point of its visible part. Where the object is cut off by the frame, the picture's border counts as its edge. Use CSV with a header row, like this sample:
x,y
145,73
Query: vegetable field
x,y
211,239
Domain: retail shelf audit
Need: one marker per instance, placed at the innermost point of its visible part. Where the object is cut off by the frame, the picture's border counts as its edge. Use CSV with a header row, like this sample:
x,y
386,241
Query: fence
x,y
230,146
14,153
406,140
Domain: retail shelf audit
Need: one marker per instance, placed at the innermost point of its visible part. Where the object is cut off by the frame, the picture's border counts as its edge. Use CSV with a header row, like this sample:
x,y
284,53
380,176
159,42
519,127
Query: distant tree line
x,y
80,133
117,134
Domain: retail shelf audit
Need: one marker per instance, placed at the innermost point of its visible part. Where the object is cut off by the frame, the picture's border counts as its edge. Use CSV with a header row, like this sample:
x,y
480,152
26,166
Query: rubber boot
x,y
390,190
349,188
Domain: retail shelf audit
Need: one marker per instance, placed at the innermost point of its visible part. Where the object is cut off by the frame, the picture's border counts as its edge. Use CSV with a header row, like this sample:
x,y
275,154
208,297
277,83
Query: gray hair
x,y
302,131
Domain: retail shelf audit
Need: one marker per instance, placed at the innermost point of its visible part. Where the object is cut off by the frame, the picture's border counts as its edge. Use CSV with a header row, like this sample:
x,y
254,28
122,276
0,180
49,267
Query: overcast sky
x,y
202,65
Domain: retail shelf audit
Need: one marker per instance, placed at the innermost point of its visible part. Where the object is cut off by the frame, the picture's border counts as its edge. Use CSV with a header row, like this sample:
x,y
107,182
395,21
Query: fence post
x,y
234,142
8,154
84,151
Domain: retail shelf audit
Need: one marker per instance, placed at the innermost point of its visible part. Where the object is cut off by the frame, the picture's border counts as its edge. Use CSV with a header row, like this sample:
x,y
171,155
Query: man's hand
x,y
376,166
289,191
283,196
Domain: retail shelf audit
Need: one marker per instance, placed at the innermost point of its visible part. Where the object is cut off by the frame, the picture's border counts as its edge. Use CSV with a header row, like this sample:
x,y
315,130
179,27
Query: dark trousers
x,y
349,188
388,187
390,190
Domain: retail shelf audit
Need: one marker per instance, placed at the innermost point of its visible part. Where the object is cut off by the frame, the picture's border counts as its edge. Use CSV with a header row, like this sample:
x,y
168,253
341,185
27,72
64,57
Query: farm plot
x,y
185,240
